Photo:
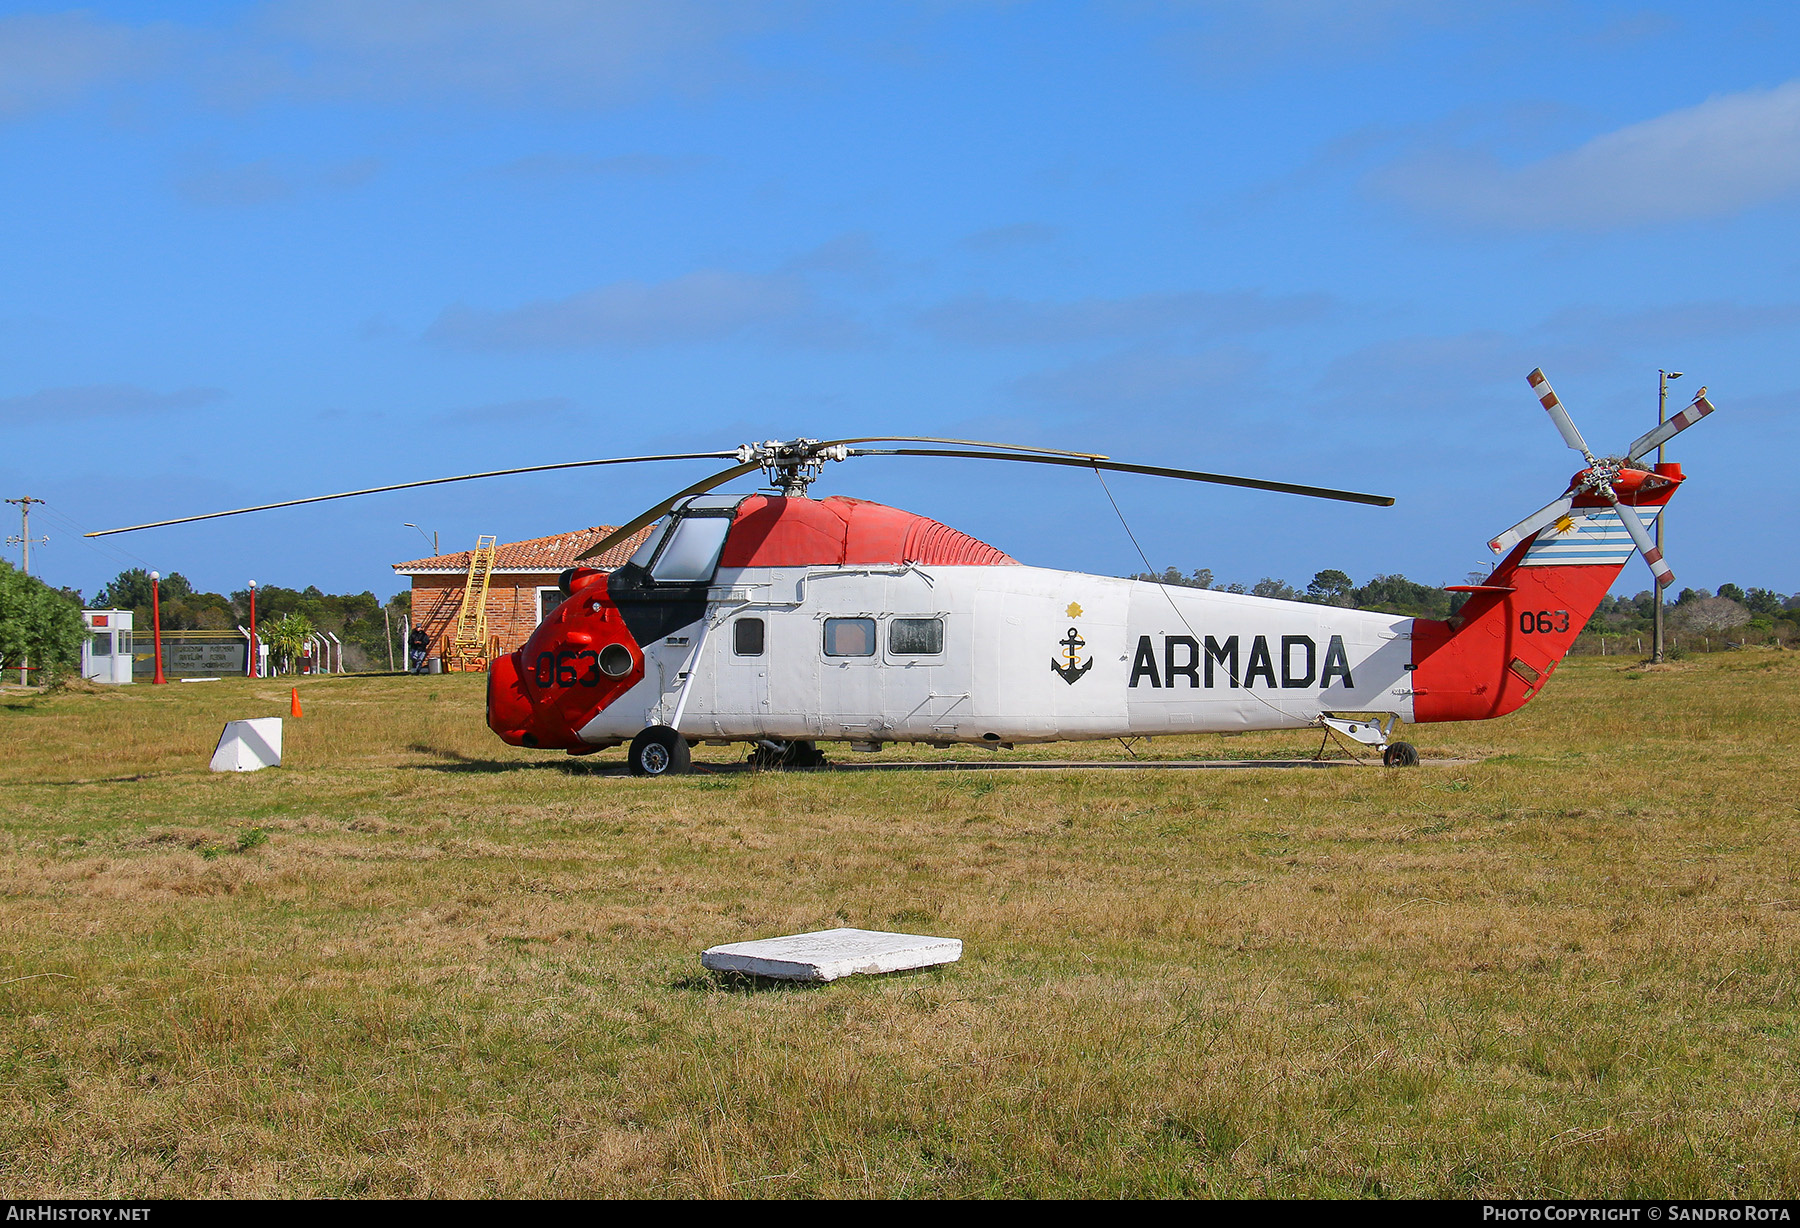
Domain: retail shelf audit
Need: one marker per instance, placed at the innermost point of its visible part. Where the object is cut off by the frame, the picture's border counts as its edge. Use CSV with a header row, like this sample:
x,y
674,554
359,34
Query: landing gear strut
x,y
769,753
1372,730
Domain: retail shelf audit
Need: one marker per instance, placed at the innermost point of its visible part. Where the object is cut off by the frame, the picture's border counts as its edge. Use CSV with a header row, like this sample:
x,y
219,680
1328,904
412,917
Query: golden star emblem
x,y
1565,524
1074,610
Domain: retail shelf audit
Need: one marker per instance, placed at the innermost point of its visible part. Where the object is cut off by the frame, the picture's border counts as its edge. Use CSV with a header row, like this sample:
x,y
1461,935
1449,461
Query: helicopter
x,y
783,621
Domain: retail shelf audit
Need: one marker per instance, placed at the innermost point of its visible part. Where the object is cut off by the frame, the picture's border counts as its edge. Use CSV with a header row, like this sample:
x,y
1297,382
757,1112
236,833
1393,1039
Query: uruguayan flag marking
x,y
1587,537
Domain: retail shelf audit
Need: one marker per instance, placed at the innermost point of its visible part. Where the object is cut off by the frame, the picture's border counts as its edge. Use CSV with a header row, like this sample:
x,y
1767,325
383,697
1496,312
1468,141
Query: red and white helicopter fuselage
x,y
783,620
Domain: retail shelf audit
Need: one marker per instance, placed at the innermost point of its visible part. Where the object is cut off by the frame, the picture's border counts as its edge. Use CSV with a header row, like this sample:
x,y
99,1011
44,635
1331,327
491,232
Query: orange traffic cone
x,y
295,703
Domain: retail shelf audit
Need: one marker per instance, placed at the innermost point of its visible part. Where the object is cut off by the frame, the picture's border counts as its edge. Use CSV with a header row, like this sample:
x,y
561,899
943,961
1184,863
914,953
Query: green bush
x,y
37,625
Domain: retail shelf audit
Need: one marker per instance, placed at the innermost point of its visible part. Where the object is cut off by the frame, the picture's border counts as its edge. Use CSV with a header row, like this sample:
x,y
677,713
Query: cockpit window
x,y
849,637
691,554
644,553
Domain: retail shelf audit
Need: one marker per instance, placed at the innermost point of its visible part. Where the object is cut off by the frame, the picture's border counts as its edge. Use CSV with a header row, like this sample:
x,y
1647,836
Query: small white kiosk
x,y
106,649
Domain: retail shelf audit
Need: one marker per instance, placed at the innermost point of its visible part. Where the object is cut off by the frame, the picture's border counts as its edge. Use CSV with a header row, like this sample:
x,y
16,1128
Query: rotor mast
x,y
794,465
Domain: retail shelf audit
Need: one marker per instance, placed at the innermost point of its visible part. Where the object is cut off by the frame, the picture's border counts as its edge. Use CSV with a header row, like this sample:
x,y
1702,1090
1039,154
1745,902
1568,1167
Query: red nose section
x,y
578,661
509,710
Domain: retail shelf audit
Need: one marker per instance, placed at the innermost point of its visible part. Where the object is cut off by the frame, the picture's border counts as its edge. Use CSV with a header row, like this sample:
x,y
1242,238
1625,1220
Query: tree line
x,y
285,617
1388,594
1753,615
43,624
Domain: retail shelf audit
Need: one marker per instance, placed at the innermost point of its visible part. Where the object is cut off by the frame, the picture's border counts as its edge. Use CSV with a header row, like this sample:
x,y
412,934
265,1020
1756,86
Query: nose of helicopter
x,y
580,659
509,710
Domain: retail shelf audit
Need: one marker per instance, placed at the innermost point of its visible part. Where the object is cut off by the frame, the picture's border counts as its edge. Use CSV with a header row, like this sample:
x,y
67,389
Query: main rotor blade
x,y
1546,515
965,443
1673,427
662,509
376,490
1190,475
1558,415
1635,527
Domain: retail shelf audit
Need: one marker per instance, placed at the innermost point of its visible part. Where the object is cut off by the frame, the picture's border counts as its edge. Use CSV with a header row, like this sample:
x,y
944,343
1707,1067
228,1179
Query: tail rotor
x,y
1605,478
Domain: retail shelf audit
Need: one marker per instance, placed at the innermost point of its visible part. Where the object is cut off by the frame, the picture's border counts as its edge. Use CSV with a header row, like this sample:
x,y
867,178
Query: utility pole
x,y
1656,599
24,540
24,537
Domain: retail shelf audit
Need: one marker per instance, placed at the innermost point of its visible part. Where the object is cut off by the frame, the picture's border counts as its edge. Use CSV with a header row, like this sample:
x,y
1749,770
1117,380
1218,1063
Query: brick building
x,y
522,587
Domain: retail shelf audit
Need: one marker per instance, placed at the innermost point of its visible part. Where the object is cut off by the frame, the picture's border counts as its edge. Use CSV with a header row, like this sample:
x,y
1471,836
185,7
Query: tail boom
x,y
1500,649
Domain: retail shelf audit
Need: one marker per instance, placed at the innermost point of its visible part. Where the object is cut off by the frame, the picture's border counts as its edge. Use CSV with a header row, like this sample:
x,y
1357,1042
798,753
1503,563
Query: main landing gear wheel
x,y
1401,754
659,751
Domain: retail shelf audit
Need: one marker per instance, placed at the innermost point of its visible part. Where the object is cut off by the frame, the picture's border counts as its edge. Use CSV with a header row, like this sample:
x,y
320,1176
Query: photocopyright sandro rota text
x,y
1656,1212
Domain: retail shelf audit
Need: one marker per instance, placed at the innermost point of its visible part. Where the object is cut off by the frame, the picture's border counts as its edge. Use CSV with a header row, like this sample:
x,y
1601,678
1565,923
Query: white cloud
x,y
572,53
247,184
1231,40
709,305
1139,379
1719,158
558,51
1012,237
559,168
50,59
980,319
49,406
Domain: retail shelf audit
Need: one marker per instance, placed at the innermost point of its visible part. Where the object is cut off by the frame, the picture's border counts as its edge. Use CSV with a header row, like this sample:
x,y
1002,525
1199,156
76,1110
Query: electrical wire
x,y
1250,691
113,552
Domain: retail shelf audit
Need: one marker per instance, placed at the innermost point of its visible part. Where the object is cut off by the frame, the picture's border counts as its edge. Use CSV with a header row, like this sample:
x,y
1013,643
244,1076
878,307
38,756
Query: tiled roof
x,y
539,554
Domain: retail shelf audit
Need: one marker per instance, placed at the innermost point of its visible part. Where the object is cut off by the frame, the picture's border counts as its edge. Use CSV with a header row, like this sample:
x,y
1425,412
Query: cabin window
x,y
747,637
849,637
916,636
692,552
102,644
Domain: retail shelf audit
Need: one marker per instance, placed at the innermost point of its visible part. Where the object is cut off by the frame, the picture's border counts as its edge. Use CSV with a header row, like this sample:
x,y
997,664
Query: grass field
x,y
413,961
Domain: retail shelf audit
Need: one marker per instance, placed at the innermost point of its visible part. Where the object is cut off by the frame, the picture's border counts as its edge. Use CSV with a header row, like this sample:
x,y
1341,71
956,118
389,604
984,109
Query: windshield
x,y
644,553
692,552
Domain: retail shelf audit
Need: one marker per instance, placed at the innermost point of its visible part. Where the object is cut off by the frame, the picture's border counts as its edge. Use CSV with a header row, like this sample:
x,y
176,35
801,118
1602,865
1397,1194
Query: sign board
x,y
181,657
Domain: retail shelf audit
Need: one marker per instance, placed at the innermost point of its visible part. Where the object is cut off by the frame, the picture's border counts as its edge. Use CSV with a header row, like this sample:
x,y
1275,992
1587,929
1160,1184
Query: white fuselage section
x,y
1024,654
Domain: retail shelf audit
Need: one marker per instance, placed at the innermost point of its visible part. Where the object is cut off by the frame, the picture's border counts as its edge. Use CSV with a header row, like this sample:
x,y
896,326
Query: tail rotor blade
x,y
1547,515
1673,427
1635,527
1558,415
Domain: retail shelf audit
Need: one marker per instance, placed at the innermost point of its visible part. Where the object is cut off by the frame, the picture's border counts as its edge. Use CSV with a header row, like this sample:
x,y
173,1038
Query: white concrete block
x,y
246,746
828,954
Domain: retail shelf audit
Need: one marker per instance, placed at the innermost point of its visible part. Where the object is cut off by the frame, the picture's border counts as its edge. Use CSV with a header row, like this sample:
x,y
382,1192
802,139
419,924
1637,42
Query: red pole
x,y
156,625
255,644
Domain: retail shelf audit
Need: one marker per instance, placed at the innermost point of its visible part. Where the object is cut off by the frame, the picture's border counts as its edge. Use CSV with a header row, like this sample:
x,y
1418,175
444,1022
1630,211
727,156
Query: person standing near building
x,y
417,645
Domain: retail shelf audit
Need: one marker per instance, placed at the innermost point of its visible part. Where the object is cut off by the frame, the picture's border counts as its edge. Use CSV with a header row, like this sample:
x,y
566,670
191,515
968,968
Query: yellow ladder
x,y
468,651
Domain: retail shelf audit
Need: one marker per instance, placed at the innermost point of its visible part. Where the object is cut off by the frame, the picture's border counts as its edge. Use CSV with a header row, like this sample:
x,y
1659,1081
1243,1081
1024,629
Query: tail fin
x,y
1515,629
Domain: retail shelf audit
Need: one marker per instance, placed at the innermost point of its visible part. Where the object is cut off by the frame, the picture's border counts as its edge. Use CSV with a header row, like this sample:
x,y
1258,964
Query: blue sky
x,y
261,251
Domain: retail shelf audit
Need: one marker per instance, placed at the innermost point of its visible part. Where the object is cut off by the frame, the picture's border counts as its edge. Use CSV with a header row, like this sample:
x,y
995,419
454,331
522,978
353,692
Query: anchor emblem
x,y
1074,668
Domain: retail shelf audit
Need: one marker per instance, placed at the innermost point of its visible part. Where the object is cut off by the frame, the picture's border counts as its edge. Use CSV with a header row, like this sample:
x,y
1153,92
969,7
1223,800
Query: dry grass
x,y
416,962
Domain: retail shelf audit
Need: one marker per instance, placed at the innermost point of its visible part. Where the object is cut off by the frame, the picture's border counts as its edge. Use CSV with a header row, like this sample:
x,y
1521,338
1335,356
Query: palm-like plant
x,y
287,638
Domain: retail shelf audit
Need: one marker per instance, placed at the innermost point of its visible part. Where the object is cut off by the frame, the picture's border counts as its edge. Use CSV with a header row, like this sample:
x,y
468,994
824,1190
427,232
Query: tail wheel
x,y
659,751
1401,754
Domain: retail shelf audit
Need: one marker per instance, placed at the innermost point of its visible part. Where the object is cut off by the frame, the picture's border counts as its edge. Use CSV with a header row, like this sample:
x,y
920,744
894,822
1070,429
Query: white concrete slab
x,y
826,955
246,746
